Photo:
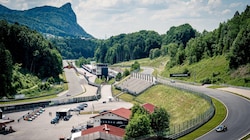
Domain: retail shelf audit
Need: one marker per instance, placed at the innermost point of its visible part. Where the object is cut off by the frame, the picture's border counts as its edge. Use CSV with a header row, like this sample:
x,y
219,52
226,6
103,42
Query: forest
x,y
183,44
24,51
74,48
25,58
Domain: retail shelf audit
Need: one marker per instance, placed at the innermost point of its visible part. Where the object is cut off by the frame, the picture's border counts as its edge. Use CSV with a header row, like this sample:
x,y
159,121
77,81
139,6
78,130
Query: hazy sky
x,y
105,18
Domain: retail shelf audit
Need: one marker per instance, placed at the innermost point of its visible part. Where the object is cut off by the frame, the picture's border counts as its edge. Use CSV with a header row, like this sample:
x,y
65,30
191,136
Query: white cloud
x,y
226,11
111,17
214,3
233,5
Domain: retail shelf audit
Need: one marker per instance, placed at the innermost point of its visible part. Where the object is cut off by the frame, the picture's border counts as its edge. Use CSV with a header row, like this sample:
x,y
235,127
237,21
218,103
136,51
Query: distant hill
x,y
47,19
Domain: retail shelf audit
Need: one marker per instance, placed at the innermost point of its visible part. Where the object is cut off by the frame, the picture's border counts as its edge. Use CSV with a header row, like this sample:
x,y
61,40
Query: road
x,y
237,120
40,128
147,70
75,83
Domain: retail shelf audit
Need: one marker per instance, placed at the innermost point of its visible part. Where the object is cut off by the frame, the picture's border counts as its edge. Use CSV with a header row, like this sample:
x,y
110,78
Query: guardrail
x,y
9,108
178,130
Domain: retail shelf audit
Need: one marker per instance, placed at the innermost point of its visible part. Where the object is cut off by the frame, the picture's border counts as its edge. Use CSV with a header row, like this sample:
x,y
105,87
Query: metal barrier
x,y
9,108
178,130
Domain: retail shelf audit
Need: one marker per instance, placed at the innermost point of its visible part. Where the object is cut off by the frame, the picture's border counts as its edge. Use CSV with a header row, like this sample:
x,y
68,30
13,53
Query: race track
x,y
238,117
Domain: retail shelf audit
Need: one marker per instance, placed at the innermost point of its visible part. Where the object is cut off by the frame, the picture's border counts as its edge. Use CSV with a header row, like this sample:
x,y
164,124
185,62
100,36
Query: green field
x,y
219,116
182,106
215,69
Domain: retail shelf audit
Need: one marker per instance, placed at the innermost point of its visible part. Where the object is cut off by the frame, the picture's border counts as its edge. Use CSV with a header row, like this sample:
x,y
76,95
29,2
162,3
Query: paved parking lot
x,y
40,128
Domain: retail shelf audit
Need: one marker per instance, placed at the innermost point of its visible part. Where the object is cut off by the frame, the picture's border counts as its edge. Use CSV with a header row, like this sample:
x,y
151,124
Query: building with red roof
x,y
149,107
118,118
103,132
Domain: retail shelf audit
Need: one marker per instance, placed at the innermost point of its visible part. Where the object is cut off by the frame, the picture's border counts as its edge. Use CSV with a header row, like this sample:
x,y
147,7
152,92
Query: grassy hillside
x,y
215,69
181,106
158,63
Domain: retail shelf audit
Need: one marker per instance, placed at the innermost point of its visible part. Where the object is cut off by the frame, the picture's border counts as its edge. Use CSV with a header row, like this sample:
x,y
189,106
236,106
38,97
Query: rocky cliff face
x,y
47,19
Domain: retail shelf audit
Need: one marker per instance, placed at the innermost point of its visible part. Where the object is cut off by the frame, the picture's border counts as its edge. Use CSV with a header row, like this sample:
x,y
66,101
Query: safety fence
x,y
178,130
184,128
11,107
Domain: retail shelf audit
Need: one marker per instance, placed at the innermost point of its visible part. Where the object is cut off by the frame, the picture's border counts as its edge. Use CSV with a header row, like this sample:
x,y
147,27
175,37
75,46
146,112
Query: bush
x,y
118,77
126,73
51,80
44,86
206,81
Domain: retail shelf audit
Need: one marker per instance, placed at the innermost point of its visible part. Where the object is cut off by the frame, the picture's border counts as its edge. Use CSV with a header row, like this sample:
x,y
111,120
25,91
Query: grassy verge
x,y
216,86
46,94
219,116
247,137
182,106
63,76
103,81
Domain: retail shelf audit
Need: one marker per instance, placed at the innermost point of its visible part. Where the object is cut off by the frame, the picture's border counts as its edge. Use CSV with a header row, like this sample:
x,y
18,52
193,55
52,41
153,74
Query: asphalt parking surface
x,y
40,128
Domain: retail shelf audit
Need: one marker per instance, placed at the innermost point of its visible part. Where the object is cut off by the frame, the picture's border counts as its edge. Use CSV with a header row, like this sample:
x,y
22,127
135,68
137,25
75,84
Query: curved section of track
x,y
237,120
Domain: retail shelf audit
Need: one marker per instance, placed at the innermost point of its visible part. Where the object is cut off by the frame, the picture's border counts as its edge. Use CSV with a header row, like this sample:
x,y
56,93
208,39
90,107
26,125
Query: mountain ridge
x,y
56,21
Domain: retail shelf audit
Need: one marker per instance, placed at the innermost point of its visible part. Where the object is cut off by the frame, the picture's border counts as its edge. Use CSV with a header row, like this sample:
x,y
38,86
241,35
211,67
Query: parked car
x,y
80,107
55,120
221,128
75,109
73,130
66,118
84,105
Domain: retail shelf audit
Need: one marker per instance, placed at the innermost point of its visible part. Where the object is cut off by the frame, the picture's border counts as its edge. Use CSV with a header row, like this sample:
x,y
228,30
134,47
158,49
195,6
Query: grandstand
x,y
136,83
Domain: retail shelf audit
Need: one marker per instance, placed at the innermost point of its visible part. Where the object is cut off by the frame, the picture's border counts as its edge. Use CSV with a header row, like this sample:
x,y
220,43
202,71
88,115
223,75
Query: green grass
x,y
46,94
101,81
219,116
181,106
216,69
158,63
247,137
216,86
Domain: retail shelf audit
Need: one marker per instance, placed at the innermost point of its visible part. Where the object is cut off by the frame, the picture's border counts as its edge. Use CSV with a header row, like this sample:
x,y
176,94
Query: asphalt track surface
x,y
238,116
237,120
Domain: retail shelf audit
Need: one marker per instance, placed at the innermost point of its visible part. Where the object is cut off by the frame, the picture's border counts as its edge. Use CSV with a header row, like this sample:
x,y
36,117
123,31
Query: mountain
x,y
47,19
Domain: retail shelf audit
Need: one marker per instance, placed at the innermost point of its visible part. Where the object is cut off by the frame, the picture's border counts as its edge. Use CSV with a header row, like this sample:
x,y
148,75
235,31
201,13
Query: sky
x,y
105,18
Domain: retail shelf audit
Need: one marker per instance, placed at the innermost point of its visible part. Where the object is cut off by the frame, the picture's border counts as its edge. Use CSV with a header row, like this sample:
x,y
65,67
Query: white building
x,y
119,118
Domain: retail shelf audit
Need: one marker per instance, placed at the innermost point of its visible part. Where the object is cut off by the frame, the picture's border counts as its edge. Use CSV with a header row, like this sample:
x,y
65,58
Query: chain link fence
x,y
179,130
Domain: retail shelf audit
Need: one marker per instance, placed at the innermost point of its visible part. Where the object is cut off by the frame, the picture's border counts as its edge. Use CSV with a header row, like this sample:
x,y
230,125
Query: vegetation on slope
x,y
180,105
47,19
213,70
27,58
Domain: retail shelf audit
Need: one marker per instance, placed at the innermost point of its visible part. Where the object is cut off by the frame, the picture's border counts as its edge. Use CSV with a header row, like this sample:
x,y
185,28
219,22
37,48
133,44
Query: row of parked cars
x,y
34,114
79,107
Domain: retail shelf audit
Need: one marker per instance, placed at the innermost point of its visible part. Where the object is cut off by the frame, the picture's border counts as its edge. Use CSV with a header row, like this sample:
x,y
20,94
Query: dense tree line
x,y
74,48
142,123
230,39
126,47
27,48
